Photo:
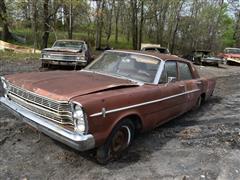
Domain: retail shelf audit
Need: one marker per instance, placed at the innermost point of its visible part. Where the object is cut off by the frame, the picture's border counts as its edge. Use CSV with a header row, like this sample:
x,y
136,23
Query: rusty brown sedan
x,y
104,105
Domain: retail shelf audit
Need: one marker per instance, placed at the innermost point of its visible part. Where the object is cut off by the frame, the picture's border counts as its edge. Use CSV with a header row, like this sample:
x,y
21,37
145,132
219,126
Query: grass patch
x,y
11,56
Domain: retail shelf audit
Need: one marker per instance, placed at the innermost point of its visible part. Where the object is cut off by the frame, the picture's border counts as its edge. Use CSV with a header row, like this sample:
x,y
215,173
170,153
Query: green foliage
x,y
11,56
195,25
228,35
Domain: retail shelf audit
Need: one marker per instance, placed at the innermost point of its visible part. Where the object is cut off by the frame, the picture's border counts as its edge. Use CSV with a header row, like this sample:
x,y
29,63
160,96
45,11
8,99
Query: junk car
x,y
106,103
74,53
203,57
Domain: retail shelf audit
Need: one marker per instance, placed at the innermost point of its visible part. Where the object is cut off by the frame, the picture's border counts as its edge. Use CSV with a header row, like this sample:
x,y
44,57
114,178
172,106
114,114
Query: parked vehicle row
x,y
203,57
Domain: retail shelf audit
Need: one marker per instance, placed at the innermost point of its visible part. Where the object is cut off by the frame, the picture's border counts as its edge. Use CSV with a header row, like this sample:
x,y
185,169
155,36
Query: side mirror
x,y
80,51
170,80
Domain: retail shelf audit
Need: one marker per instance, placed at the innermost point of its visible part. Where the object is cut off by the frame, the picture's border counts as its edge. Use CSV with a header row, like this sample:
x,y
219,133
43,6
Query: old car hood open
x,y
63,86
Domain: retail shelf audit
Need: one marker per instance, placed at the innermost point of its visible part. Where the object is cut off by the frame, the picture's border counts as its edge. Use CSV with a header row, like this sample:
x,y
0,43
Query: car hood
x,y
60,50
65,85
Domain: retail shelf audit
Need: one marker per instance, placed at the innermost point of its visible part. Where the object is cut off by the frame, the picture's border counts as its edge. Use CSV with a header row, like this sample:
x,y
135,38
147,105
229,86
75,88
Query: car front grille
x,y
56,111
63,57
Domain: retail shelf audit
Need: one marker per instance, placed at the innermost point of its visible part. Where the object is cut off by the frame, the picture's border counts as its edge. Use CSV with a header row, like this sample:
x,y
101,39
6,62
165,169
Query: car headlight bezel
x,y
80,58
45,55
79,118
5,86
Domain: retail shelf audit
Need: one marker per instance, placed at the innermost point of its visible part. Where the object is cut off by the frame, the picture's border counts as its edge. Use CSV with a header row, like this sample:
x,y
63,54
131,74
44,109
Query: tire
x,y
44,65
119,140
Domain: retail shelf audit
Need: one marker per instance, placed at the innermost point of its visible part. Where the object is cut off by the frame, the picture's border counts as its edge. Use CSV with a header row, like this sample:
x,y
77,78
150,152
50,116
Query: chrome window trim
x,y
159,72
143,104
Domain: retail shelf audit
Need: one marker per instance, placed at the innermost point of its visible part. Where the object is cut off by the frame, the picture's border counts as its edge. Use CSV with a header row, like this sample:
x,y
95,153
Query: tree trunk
x,y
70,26
34,23
117,10
6,34
99,24
141,26
134,24
109,30
45,25
176,27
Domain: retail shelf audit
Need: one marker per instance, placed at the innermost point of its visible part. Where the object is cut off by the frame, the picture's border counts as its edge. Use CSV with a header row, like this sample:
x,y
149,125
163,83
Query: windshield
x,y
163,50
75,45
126,65
232,51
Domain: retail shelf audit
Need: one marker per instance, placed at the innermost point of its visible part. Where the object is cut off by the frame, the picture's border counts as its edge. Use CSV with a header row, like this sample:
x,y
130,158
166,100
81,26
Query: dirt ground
x,y
204,144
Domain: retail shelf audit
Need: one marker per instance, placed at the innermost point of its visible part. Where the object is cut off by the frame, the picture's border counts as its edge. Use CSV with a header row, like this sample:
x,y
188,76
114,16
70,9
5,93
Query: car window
x,y
128,65
150,49
76,45
184,71
163,50
170,70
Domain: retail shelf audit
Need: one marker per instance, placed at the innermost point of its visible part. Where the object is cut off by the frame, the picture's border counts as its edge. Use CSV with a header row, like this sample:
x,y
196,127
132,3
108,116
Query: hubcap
x,y
121,139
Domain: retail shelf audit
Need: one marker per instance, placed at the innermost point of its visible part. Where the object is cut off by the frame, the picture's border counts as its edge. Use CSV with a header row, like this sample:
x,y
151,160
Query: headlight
x,y
5,86
46,56
81,58
79,118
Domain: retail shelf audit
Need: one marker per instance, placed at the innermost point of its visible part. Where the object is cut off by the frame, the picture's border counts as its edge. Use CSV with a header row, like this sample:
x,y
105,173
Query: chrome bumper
x,y
77,141
64,62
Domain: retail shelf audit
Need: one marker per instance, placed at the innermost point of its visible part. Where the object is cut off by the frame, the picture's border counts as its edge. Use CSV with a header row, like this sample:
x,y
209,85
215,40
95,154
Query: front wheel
x,y
118,141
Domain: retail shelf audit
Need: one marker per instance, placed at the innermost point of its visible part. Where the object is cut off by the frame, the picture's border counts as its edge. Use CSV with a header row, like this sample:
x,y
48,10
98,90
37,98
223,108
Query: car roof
x,y
154,47
157,55
232,48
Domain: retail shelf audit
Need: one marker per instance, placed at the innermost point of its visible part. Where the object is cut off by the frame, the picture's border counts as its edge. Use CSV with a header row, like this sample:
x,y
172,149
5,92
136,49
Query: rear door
x,y
191,85
172,93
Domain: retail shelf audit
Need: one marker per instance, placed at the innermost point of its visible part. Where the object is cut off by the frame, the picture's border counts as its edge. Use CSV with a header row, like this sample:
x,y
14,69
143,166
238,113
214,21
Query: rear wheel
x,y
119,140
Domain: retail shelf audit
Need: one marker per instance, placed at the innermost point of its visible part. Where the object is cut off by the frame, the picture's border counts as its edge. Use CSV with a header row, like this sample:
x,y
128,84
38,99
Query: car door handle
x,y
181,85
199,82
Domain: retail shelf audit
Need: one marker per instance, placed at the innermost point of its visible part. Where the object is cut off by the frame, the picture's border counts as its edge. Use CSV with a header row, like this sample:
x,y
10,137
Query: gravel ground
x,y
202,144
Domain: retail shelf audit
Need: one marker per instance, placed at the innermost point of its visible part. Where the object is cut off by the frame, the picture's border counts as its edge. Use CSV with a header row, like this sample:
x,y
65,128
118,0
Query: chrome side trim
x,y
143,104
